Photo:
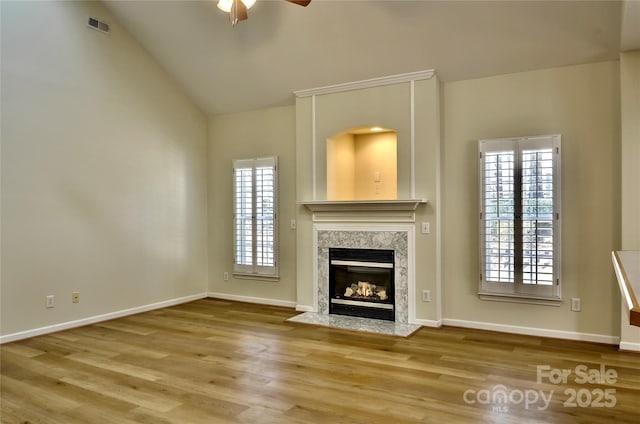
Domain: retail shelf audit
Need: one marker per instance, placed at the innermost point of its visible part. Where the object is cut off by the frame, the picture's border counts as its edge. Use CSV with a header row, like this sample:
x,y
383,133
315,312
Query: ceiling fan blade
x,y
303,3
238,12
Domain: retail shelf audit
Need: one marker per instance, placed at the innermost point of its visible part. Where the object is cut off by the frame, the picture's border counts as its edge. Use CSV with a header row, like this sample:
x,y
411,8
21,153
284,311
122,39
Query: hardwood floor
x,y
214,361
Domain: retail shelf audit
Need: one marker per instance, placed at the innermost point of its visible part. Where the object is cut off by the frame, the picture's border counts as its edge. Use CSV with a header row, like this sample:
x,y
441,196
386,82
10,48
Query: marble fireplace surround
x,y
397,237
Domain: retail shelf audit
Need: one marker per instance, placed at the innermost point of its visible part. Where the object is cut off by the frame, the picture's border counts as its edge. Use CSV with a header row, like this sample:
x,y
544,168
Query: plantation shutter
x,y
255,205
265,217
520,217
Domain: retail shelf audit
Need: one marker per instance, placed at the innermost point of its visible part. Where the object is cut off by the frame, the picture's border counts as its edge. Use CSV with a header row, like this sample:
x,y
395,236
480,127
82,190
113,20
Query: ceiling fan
x,y
237,9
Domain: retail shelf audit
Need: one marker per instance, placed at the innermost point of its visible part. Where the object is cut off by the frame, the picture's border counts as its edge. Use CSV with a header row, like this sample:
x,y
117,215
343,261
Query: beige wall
x,y
266,132
108,170
582,103
630,157
341,160
103,171
630,123
354,160
376,153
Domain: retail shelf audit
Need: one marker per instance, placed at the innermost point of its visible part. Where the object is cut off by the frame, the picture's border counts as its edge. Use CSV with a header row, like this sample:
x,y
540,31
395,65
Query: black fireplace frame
x,y
376,260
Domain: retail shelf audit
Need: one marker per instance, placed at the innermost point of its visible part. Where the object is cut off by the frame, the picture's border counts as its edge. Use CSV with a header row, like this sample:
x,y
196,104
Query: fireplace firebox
x,y
361,283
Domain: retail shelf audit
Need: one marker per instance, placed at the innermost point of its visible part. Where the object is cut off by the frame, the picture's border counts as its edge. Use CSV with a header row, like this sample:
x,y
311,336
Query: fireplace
x,y
361,283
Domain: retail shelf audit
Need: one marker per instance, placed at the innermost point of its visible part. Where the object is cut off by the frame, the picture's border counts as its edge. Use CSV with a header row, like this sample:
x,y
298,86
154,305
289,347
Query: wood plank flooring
x,y
214,361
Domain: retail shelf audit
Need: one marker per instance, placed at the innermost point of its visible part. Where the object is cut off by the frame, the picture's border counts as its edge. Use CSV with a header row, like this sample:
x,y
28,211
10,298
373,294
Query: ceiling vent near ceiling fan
x,y
98,25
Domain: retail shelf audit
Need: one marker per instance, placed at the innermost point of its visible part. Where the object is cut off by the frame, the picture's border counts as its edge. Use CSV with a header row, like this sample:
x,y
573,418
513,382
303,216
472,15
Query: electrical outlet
x,y
425,228
426,295
576,304
225,276
75,297
50,301
294,225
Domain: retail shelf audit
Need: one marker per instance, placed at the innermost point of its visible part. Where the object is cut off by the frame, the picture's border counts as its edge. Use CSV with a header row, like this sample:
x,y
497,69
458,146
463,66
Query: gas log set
x,y
366,291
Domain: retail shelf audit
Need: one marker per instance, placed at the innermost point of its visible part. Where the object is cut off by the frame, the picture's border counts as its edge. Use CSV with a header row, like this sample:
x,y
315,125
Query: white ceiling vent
x,y
98,25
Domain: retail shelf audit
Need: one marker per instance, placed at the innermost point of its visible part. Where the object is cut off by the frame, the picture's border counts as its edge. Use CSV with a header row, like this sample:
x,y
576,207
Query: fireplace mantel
x,y
399,237
363,210
406,205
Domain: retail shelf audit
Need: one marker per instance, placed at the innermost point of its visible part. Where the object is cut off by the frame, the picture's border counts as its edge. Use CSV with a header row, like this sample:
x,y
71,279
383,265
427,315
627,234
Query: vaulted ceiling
x,y
283,47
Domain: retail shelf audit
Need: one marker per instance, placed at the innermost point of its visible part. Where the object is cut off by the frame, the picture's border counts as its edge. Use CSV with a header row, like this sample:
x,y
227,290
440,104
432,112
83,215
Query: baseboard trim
x,y
249,299
305,308
569,335
428,322
629,347
97,318
532,331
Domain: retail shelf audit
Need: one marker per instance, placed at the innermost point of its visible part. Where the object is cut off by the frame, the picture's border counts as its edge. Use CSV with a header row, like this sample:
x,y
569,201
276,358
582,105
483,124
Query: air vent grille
x,y
98,25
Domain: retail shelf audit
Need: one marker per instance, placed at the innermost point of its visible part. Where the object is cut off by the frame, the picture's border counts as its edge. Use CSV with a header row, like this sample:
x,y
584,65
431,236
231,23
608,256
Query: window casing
x,y
255,203
520,218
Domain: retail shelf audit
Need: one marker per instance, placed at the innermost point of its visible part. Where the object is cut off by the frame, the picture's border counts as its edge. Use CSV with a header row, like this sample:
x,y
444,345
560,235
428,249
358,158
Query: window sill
x,y
520,299
260,277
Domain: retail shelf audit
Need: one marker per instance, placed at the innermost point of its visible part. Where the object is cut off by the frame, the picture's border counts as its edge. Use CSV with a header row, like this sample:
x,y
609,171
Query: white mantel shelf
x,y
405,205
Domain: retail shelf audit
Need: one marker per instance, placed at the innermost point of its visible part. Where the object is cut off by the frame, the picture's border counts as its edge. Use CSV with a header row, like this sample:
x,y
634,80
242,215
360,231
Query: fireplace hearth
x,y
361,283
398,238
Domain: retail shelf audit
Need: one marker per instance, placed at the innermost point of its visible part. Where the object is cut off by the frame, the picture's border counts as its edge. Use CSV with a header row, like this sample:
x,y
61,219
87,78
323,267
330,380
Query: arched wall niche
x,y
388,106
362,164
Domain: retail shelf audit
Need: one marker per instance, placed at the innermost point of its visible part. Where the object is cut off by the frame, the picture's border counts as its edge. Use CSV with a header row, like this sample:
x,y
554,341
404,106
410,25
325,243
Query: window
x,y
520,218
254,219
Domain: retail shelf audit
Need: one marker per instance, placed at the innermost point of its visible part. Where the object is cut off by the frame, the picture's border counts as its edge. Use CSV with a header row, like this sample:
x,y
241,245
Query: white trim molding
x,y
362,205
439,264
98,318
532,331
305,308
435,323
348,206
344,211
410,77
629,347
313,146
373,82
250,299
412,88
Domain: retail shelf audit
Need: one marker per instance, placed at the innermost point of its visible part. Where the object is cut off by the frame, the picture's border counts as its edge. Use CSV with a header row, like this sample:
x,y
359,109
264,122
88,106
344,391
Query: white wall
x,y
103,171
583,104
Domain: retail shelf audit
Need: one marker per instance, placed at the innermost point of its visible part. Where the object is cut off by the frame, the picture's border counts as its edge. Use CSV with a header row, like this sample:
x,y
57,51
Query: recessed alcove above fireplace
x,y
362,164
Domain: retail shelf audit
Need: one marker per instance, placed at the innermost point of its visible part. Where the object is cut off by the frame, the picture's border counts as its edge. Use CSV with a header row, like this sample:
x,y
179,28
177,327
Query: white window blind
x,y
520,217
255,224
